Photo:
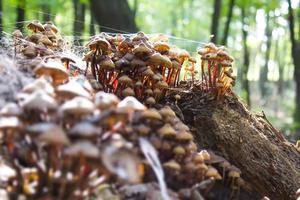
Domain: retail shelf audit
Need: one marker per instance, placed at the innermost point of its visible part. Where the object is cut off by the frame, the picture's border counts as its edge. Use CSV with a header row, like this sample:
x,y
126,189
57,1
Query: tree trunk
x,y
114,16
227,24
20,14
296,60
1,15
46,15
246,60
92,22
270,165
263,79
215,20
79,19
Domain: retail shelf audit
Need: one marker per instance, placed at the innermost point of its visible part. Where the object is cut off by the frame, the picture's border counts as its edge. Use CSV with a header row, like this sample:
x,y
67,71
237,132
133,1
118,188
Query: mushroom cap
x,y
78,106
50,26
39,100
54,136
141,50
125,80
35,25
53,68
45,40
205,154
84,148
84,130
213,173
162,85
234,172
105,100
100,43
142,129
152,114
172,165
150,101
179,150
107,63
148,72
30,51
17,33
167,112
137,62
167,131
138,84
149,92
128,92
184,136
10,110
131,103
72,89
158,59
161,46
39,84
10,123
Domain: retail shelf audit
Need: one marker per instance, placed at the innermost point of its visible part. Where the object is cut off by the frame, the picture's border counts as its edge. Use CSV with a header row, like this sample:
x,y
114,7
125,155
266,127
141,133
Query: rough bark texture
x,y
114,16
268,162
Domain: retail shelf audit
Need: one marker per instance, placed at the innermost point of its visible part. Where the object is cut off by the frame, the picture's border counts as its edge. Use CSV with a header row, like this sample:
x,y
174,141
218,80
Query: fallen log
x,y
269,163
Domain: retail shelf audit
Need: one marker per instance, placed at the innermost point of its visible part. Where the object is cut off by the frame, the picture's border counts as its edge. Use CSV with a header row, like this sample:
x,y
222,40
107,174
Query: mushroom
x,y
84,130
53,68
72,89
213,173
166,131
10,110
78,106
35,26
105,100
39,101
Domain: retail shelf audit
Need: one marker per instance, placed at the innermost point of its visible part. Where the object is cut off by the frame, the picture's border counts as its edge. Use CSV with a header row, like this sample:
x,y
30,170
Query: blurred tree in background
x,y
263,36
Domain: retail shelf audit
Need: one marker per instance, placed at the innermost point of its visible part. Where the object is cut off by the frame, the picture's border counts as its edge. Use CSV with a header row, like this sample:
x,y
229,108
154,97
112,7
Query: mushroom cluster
x,y
59,141
216,70
134,66
43,40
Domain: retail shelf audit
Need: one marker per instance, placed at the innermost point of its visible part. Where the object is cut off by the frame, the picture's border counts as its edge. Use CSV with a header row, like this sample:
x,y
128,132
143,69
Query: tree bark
x,y
227,24
215,20
79,19
114,16
20,14
263,79
246,59
46,15
269,164
1,15
296,60
92,22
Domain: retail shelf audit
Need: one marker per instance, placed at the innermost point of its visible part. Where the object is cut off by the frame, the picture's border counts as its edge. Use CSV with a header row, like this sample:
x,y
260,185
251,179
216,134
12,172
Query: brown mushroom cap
x,y
162,85
234,172
45,40
184,136
107,63
141,50
50,26
125,80
179,151
52,68
100,43
172,165
78,106
35,25
39,100
17,34
54,136
167,112
30,51
150,101
161,46
128,92
158,59
166,131
152,114
213,173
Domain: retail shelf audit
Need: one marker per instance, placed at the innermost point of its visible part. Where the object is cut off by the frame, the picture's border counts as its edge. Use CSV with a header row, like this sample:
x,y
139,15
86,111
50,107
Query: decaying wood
x,y
269,163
